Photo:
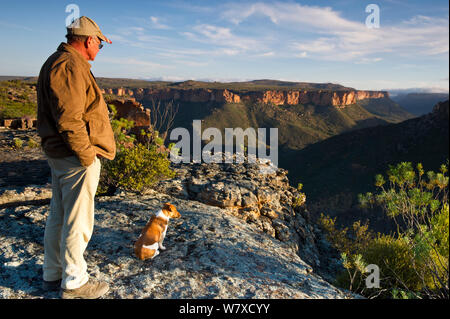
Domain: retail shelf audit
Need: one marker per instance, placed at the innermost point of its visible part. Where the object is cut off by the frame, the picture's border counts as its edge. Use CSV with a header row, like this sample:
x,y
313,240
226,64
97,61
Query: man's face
x,y
93,46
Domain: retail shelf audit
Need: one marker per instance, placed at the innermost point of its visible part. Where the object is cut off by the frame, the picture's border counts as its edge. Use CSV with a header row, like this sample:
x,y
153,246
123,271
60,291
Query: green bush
x,y
300,199
17,143
12,110
138,168
32,143
413,262
17,104
396,261
351,244
139,163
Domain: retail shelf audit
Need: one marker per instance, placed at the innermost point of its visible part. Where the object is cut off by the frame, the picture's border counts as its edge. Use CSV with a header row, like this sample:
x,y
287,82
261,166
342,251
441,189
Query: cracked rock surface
x,y
210,254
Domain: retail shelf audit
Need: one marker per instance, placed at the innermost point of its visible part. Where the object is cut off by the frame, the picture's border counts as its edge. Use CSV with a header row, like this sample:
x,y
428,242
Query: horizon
x,y
392,92
295,41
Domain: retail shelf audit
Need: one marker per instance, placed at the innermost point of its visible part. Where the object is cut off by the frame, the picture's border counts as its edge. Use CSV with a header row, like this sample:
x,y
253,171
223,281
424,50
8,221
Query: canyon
x,y
338,98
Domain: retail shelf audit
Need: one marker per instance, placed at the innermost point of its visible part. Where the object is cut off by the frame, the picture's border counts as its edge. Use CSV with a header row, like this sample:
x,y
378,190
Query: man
x,y
75,131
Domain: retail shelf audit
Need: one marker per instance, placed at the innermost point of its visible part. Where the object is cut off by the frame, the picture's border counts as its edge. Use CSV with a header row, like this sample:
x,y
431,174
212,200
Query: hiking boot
x,y
91,290
51,285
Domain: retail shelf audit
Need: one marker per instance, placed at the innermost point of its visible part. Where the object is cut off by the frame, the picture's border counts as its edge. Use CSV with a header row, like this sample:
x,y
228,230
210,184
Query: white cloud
x,y
288,13
267,54
135,62
169,78
341,39
192,63
186,53
151,38
16,26
321,45
157,24
132,31
223,37
243,32
174,53
368,60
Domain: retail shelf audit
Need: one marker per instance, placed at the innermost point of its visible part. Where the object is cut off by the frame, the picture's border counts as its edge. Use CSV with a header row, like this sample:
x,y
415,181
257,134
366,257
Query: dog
x,y
152,236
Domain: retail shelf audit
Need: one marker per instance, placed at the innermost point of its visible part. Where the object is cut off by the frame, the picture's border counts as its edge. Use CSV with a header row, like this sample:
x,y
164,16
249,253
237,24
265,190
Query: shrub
x,y
137,168
19,102
13,110
17,143
300,199
32,143
137,165
394,257
414,261
351,245
418,202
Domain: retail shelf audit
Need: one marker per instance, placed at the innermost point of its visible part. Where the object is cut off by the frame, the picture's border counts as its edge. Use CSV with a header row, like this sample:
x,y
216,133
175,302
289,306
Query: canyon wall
x,y
277,97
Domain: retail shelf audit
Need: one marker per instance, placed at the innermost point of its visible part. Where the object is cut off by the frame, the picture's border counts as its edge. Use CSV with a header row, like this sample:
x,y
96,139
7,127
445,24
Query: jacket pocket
x,y
98,129
101,136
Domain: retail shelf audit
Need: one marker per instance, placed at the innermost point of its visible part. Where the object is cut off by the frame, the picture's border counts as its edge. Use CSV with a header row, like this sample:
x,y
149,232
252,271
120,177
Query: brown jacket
x,y
72,116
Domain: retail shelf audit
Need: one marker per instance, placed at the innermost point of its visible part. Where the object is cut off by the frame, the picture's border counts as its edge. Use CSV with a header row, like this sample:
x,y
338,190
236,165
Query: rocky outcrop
x,y
362,95
210,254
15,196
22,123
339,98
118,91
131,110
264,200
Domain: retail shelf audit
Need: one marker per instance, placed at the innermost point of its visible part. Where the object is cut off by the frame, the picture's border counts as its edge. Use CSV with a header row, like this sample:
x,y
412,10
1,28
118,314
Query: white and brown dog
x,y
152,236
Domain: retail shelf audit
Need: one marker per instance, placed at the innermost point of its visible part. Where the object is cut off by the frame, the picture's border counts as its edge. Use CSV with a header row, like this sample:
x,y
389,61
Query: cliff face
x,y
277,97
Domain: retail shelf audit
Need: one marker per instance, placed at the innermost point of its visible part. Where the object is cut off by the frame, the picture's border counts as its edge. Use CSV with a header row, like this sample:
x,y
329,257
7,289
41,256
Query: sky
x,y
307,41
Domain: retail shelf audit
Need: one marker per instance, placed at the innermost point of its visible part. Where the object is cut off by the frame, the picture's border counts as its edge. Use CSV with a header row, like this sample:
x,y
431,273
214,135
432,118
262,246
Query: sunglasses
x,y
100,45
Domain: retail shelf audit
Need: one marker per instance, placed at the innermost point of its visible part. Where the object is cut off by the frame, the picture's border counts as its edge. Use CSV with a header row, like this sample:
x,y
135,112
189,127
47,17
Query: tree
x,y
162,117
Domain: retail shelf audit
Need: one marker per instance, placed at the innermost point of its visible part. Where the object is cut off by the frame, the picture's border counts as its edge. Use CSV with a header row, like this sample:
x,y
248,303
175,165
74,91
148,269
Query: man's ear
x,y
88,41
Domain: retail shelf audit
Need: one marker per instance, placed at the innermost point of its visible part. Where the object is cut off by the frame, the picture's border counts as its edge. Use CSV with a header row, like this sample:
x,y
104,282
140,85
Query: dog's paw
x,y
162,247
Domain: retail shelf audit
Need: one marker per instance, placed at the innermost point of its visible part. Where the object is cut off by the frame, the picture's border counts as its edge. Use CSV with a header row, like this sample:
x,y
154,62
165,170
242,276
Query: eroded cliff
x,y
339,98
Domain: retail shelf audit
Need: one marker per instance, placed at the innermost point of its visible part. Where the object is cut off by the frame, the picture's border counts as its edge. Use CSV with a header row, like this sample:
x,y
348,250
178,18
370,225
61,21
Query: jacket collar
x,y
64,47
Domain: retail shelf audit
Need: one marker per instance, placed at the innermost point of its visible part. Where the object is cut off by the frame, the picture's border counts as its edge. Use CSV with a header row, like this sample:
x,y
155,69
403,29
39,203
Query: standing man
x,y
75,131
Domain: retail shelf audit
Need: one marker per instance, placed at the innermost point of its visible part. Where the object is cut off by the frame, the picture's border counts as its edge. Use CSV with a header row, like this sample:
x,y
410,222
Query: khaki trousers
x,y
70,221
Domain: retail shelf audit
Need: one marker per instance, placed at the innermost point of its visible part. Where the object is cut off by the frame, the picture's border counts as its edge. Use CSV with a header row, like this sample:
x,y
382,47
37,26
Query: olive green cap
x,y
85,26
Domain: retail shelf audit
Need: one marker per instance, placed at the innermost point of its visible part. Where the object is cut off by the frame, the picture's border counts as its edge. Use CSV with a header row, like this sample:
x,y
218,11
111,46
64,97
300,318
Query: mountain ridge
x,y
419,103
229,93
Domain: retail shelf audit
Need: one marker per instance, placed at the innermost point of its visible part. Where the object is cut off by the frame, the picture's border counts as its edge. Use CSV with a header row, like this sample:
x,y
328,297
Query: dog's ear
x,y
168,206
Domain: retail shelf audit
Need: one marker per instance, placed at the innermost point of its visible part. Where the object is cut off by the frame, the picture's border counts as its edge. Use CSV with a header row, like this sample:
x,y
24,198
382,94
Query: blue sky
x,y
313,41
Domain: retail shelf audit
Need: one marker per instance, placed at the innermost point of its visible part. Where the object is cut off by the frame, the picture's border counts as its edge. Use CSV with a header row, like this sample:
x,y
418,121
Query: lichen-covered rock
x,y
210,254
32,193
252,193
